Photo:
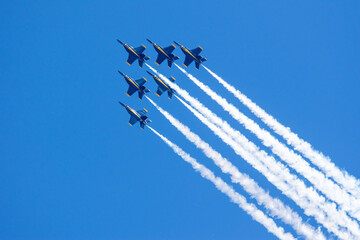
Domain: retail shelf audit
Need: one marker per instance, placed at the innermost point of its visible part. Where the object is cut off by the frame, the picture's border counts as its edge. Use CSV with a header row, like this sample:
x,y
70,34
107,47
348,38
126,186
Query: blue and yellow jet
x,y
191,55
135,53
135,86
137,116
162,87
164,53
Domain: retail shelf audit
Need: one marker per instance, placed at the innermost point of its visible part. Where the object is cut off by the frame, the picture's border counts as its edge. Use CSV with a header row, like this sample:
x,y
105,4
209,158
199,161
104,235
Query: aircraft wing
x,y
159,91
140,49
169,49
141,81
161,57
131,90
197,50
188,60
132,57
142,112
133,120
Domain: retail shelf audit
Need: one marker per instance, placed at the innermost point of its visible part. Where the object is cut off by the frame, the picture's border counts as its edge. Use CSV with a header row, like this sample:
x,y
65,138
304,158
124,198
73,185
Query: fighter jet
x,y
164,53
135,53
136,116
191,55
135,86
163,86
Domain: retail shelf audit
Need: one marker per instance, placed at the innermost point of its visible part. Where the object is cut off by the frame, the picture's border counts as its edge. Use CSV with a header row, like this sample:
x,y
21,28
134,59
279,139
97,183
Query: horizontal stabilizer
x,y
197,65
170,94
169,63
141,94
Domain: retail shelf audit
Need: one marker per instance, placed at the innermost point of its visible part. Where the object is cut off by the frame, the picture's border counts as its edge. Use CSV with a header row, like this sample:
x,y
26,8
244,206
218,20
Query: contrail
x,y
276,207
317,178
349,182
306,197
313,204
235,197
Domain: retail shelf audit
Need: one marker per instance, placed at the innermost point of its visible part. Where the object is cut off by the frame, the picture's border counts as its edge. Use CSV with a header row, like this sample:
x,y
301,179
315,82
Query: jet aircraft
x,y
135,53
191,55
135,86
164,53
162,87
136,116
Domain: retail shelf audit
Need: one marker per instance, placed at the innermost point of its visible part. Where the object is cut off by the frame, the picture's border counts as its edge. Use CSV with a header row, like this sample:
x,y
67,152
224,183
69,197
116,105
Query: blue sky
x,y
72,168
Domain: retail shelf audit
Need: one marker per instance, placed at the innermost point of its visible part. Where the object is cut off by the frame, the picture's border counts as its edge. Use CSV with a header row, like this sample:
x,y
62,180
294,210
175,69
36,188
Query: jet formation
x,y
164,53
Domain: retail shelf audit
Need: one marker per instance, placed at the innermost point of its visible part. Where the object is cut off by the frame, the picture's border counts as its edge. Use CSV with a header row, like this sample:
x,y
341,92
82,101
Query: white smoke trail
x,y
317,178
306,197
276,207
235,197
349,182
313,205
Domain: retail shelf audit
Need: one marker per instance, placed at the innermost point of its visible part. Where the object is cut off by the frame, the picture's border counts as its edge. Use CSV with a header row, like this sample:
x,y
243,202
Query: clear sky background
x,y
72,168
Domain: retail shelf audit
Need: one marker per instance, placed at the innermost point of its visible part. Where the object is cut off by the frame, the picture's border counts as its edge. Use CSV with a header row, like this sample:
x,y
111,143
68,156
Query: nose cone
x,y
120,42
121,73
177,44
122,104
149,41
150,73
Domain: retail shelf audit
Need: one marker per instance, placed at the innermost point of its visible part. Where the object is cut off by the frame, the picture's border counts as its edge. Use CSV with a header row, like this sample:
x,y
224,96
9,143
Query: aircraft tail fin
x,y
170,94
